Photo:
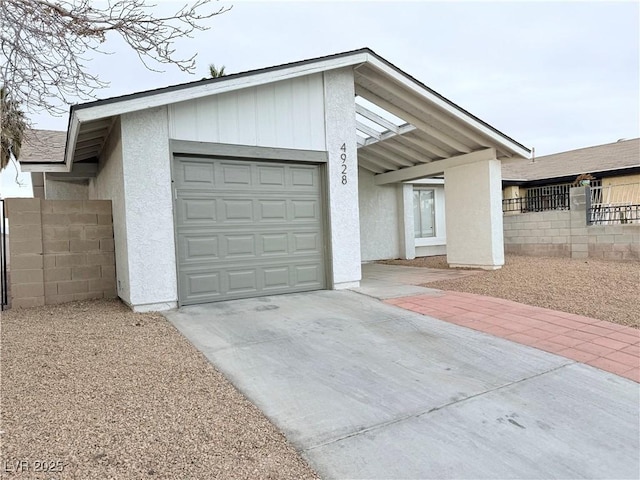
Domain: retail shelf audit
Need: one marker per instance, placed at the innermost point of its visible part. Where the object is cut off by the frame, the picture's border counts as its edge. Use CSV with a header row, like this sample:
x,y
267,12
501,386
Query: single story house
x,y
544,182
282,179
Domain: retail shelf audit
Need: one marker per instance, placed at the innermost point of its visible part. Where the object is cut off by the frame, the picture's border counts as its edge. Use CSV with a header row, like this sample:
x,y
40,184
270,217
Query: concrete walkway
x,y
605,345
369,390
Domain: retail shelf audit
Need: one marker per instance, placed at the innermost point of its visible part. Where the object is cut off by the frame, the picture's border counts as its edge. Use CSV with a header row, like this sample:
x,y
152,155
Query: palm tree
x,y
214,72
13,125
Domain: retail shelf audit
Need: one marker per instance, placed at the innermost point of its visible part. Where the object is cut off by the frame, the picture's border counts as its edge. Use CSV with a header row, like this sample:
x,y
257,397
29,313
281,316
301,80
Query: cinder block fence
x,y
60,251
567,234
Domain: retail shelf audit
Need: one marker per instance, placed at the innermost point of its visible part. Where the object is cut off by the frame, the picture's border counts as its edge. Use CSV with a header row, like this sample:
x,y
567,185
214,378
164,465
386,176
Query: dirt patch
x,y
605,290
113,394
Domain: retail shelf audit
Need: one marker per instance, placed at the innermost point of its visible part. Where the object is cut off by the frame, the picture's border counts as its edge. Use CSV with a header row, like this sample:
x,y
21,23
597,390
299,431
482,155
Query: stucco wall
x,y
340,121
109,185
379,218
474,214
65,190
149,210
285,114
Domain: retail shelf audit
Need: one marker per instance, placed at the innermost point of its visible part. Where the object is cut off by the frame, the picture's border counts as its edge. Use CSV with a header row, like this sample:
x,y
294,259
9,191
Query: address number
x,y
343,157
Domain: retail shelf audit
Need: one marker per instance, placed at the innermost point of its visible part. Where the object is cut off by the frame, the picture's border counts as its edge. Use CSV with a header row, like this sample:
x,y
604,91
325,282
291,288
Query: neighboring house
x,y
41,147
543,183
283,179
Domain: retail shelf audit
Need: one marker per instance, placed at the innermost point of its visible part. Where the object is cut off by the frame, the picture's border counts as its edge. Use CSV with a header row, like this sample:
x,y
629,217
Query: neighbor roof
x,y
623,154
43,147
435,128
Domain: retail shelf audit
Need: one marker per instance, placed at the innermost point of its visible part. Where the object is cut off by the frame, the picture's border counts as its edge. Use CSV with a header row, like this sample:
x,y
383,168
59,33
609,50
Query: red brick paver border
x,y
604,345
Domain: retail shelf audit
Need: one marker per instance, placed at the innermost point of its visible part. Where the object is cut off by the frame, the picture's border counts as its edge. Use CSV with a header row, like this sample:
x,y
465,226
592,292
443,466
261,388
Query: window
x,y
424,217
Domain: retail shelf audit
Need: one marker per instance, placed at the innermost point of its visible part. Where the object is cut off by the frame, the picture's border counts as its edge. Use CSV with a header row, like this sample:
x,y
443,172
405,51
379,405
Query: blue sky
x,y
553,75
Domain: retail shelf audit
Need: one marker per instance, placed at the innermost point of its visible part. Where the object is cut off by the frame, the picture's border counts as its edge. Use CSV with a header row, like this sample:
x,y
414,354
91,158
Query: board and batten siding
x,y
285,114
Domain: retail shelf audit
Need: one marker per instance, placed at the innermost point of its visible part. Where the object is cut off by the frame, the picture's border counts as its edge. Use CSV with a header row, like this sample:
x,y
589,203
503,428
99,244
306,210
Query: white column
x,y
342,177
473,206
405,208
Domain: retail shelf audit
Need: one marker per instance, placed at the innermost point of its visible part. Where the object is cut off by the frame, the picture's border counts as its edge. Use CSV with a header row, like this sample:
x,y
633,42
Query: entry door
x,y
247,228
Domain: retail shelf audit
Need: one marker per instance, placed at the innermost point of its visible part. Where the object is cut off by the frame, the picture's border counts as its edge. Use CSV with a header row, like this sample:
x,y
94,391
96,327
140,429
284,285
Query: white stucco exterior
x,y
380,219
474,215
149,210
109,185
344,228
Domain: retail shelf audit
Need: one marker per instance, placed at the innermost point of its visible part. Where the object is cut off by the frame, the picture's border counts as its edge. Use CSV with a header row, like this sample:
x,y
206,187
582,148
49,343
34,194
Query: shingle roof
x,y
43,146
600,158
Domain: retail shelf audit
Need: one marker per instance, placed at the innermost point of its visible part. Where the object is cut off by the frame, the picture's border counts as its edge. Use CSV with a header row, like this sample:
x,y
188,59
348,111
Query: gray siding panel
x,y
247,228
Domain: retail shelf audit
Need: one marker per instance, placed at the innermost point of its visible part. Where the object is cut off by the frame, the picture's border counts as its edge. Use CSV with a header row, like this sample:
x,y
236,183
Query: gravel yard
x,y
111,394
606,290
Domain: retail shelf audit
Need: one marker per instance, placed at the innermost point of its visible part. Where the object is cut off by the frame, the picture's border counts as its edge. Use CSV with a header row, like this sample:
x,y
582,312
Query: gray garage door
x,y
247,228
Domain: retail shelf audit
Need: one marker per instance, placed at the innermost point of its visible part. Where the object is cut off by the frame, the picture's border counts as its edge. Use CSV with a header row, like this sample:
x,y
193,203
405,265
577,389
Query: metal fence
x,y
4,283
615,204
541,202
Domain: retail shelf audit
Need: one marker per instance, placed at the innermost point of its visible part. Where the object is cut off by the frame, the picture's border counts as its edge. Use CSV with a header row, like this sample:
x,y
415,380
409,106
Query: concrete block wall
x,y
60,251
567,234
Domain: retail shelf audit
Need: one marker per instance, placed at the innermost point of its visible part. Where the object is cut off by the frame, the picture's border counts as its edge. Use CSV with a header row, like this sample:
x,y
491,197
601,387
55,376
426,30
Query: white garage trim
x,y
246,151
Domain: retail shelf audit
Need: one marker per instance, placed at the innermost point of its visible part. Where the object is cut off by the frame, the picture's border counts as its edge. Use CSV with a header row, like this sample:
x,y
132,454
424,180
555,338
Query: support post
x,y
473,207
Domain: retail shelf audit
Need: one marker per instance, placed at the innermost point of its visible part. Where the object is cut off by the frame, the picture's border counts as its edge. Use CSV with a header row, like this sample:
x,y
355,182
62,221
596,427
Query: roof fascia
x,y
160,98
412,84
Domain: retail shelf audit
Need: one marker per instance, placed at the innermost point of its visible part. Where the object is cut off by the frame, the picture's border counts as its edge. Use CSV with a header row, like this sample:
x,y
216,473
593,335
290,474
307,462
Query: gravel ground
x,y
605,290
112,394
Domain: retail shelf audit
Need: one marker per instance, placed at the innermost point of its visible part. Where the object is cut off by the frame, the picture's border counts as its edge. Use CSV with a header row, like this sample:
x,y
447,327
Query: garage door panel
x,y
204,283
272,210
235,174
257,230
275,244
196,211
308,242
234,211
276,277
199,248
242,281
271,176
196,174
309,275
240,246
304,178
304,210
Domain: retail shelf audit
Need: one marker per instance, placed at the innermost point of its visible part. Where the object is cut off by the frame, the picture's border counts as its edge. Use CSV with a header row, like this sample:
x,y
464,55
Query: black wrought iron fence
x,y
537,203
4,284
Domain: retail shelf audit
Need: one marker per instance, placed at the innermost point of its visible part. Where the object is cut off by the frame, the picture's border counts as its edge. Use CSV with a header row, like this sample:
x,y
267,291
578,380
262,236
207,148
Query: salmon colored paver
x,y
604,345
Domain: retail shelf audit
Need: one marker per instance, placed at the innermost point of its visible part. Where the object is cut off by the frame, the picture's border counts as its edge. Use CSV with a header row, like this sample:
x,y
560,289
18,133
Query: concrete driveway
x,y
368,390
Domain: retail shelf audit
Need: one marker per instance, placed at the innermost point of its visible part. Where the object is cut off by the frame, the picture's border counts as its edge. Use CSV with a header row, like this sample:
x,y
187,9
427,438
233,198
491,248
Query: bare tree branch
x,y
45,44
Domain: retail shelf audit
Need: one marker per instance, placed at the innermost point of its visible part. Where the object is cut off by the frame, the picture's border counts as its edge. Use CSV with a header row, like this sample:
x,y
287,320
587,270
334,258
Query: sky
x,y
555,76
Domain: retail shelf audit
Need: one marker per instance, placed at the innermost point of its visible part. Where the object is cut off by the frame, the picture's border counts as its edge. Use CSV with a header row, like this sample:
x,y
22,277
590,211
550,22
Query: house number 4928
x,y
343,165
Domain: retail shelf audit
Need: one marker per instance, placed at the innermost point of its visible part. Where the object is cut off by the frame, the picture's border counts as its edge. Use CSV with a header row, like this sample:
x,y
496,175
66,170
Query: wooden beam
x,y
404,129
396,160
435,167
374,117
412,119
372,132
399,149
414,140
410,98
372,167
386,165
